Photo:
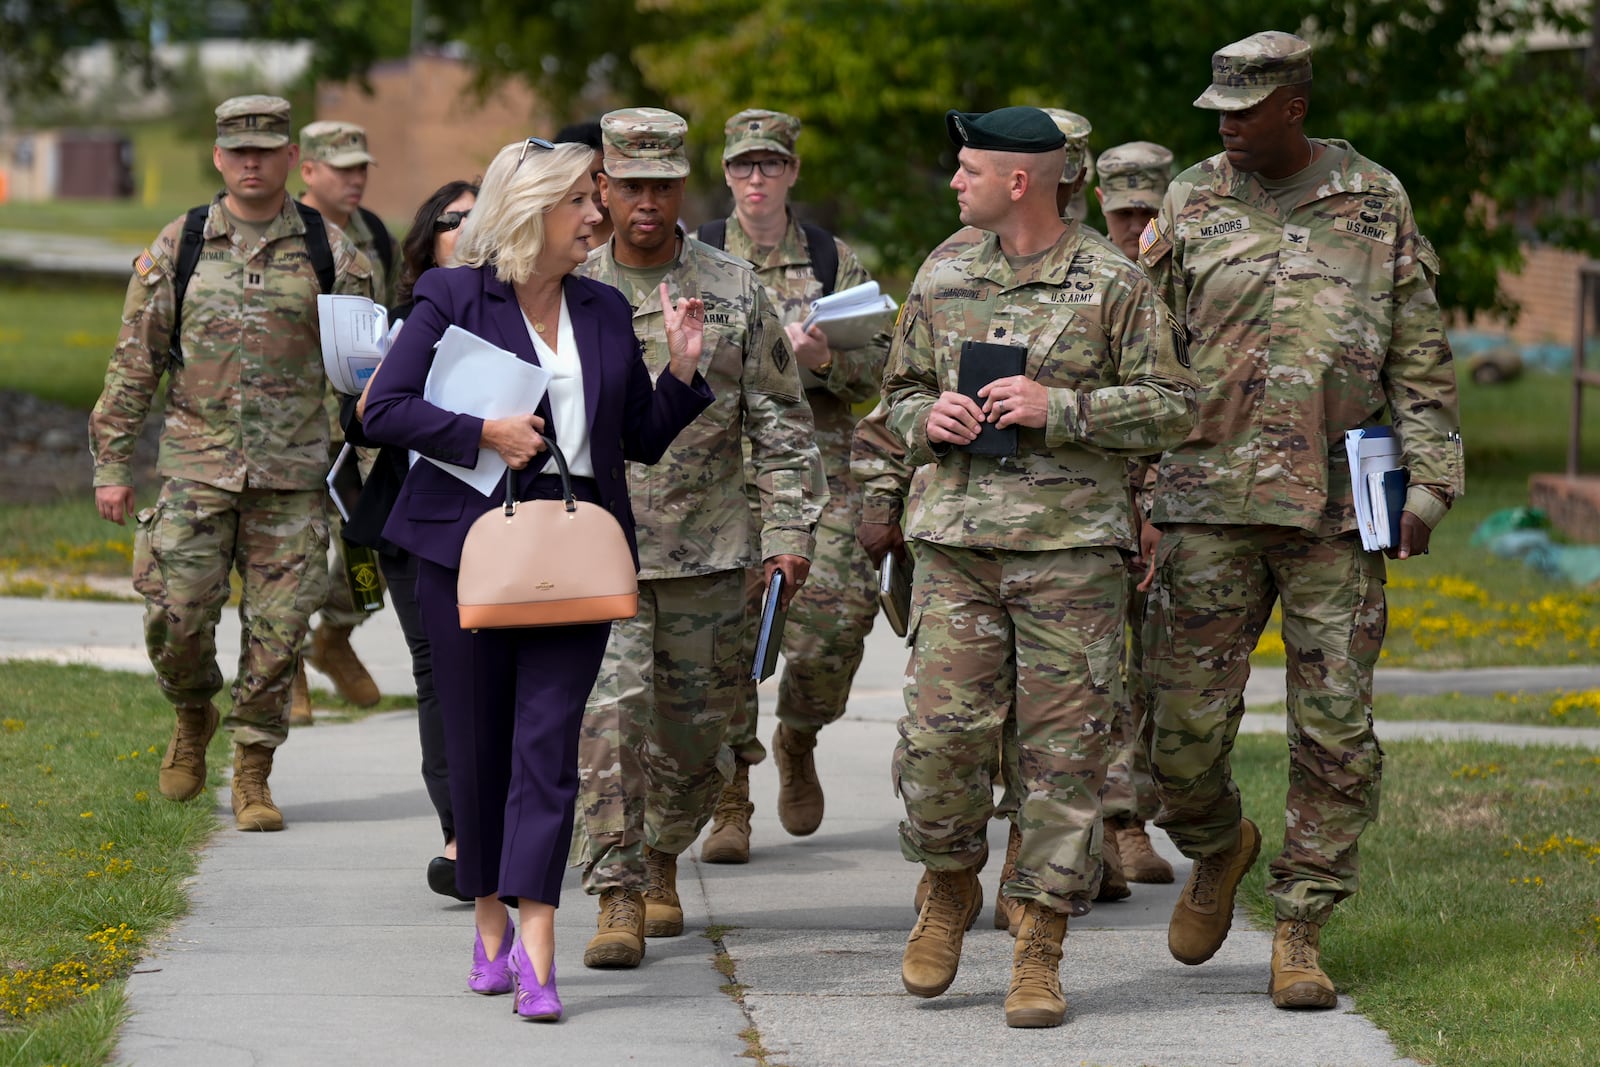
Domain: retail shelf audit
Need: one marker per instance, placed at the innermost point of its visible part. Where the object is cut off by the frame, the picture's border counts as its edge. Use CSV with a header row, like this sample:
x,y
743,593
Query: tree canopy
x,y
1495,142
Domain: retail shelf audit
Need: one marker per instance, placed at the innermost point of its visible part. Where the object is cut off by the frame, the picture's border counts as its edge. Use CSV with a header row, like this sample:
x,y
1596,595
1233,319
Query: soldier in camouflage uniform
x,y
1019,602
1297,269
823,642
654,755
1133,178
243,452
333,165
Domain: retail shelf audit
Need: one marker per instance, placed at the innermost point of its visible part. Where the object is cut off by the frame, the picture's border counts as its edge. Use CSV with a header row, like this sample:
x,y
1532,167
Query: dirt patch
x,y
44,451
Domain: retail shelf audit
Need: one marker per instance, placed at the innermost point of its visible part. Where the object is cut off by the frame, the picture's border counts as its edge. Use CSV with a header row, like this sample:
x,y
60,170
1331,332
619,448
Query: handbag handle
x,y
566,480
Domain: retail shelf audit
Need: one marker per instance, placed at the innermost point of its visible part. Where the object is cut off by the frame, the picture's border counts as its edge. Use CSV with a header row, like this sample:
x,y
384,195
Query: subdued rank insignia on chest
x,y
1220,228
1297,237
253,279
1079,293
802,271
780,354
1180,339
1372,231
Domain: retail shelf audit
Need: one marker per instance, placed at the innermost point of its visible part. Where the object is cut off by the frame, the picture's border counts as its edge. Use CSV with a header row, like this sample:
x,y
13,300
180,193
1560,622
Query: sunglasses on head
x,y
536,142
450,220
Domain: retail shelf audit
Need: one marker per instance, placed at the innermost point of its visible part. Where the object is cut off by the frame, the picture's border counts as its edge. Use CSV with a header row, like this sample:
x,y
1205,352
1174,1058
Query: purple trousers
x,y
512,703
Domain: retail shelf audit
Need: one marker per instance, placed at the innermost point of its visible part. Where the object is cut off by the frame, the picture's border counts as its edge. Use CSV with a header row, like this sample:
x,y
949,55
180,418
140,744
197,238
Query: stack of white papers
x,y
1378,483
852,317
355,336
470,376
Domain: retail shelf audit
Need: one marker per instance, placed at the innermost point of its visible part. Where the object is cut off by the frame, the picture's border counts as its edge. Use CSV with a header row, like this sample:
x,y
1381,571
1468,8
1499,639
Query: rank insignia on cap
x,y
144,264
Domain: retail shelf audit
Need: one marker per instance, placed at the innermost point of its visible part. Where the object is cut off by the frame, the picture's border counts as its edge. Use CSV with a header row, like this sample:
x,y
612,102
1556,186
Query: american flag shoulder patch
x,y
144,264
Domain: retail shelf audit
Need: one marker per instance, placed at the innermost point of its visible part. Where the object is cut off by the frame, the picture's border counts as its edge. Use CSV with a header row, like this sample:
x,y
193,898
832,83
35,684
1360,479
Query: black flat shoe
x,y
442,879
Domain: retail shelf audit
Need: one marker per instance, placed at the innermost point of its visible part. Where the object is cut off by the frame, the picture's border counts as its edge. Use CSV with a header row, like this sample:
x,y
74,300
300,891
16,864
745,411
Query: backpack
x,y
819,244
194,236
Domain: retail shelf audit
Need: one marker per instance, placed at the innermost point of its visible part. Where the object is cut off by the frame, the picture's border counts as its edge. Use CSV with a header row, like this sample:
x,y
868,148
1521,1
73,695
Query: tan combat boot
x,y
933,951
729,839
1140,861
1113,884
1008,912
300,698
1204,911
252,800
330,653
183,768
1298,980
1034,997
663,914
619,937
799,792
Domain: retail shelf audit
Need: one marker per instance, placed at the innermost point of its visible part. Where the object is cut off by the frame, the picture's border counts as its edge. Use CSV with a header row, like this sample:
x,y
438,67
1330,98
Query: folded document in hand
x,y
355,336
852,317
470,376
1378,484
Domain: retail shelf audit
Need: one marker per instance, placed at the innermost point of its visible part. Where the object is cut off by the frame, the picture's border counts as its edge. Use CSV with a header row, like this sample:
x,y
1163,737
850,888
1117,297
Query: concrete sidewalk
x,y
323,944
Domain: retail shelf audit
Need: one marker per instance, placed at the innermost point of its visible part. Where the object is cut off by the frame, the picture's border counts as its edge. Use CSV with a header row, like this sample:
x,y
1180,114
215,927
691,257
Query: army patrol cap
x,y
1135,174
253,122
1244,73
338,144
754,130
1008,129
1076,129
644,142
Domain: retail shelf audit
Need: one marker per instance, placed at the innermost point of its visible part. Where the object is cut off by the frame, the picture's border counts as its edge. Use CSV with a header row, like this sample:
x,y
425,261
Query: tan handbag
x,y
546,563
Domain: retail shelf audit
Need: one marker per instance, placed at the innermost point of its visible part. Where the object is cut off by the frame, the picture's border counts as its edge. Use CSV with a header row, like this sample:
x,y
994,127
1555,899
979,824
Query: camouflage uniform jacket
x,y
1301,328
359,232
856,373
690,508
877,457
245,407
1102,345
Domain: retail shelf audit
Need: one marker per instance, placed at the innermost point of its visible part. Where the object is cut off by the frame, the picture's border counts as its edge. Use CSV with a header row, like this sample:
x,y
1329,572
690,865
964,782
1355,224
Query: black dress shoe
x,y
442,878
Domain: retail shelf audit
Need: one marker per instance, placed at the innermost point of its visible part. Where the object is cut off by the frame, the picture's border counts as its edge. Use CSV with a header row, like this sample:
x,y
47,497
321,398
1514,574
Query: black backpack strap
x,y
382,239
824,255
189,245
317,247
714,233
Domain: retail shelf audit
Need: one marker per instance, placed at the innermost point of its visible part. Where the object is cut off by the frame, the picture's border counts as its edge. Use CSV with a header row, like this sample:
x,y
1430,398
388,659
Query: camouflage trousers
x,y
1035,637
1215,588
653,754
823,642
1130,794
185,547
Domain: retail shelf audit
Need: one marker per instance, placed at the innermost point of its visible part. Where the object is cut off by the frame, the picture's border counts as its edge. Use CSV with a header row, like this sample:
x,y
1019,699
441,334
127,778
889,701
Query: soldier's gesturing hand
x,y
686,331
515,437
954,419
1015,401
114,502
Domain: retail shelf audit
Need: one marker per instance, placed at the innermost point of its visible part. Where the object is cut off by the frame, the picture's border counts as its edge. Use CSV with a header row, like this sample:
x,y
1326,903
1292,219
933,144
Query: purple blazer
x,y
629,418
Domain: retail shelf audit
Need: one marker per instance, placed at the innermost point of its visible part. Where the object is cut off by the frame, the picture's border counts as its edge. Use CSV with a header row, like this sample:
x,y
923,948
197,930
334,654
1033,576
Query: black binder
x,y
769,639
982,363
894,591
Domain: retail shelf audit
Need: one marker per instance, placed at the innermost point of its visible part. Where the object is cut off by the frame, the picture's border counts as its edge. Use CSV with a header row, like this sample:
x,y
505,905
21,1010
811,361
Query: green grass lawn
x,y
1475,938
92,859
1558,708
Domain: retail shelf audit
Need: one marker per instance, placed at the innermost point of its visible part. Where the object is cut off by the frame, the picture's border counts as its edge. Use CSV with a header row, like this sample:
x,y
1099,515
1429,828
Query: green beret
x,y
1009,129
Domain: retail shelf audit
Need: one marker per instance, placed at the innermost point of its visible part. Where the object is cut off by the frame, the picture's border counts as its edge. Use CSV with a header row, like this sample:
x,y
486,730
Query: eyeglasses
x,y
537,142
770,168
450,220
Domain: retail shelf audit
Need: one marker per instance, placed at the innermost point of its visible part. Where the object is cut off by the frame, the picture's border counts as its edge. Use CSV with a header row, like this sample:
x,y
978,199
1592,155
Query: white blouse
x,y
566,393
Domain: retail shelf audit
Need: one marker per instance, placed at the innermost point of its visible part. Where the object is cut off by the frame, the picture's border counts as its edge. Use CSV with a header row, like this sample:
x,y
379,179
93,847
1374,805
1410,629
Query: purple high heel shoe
x,y
538,1002
492,977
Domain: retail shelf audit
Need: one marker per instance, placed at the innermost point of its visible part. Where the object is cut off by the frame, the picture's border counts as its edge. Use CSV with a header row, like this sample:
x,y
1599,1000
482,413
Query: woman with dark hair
x,y
429,243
